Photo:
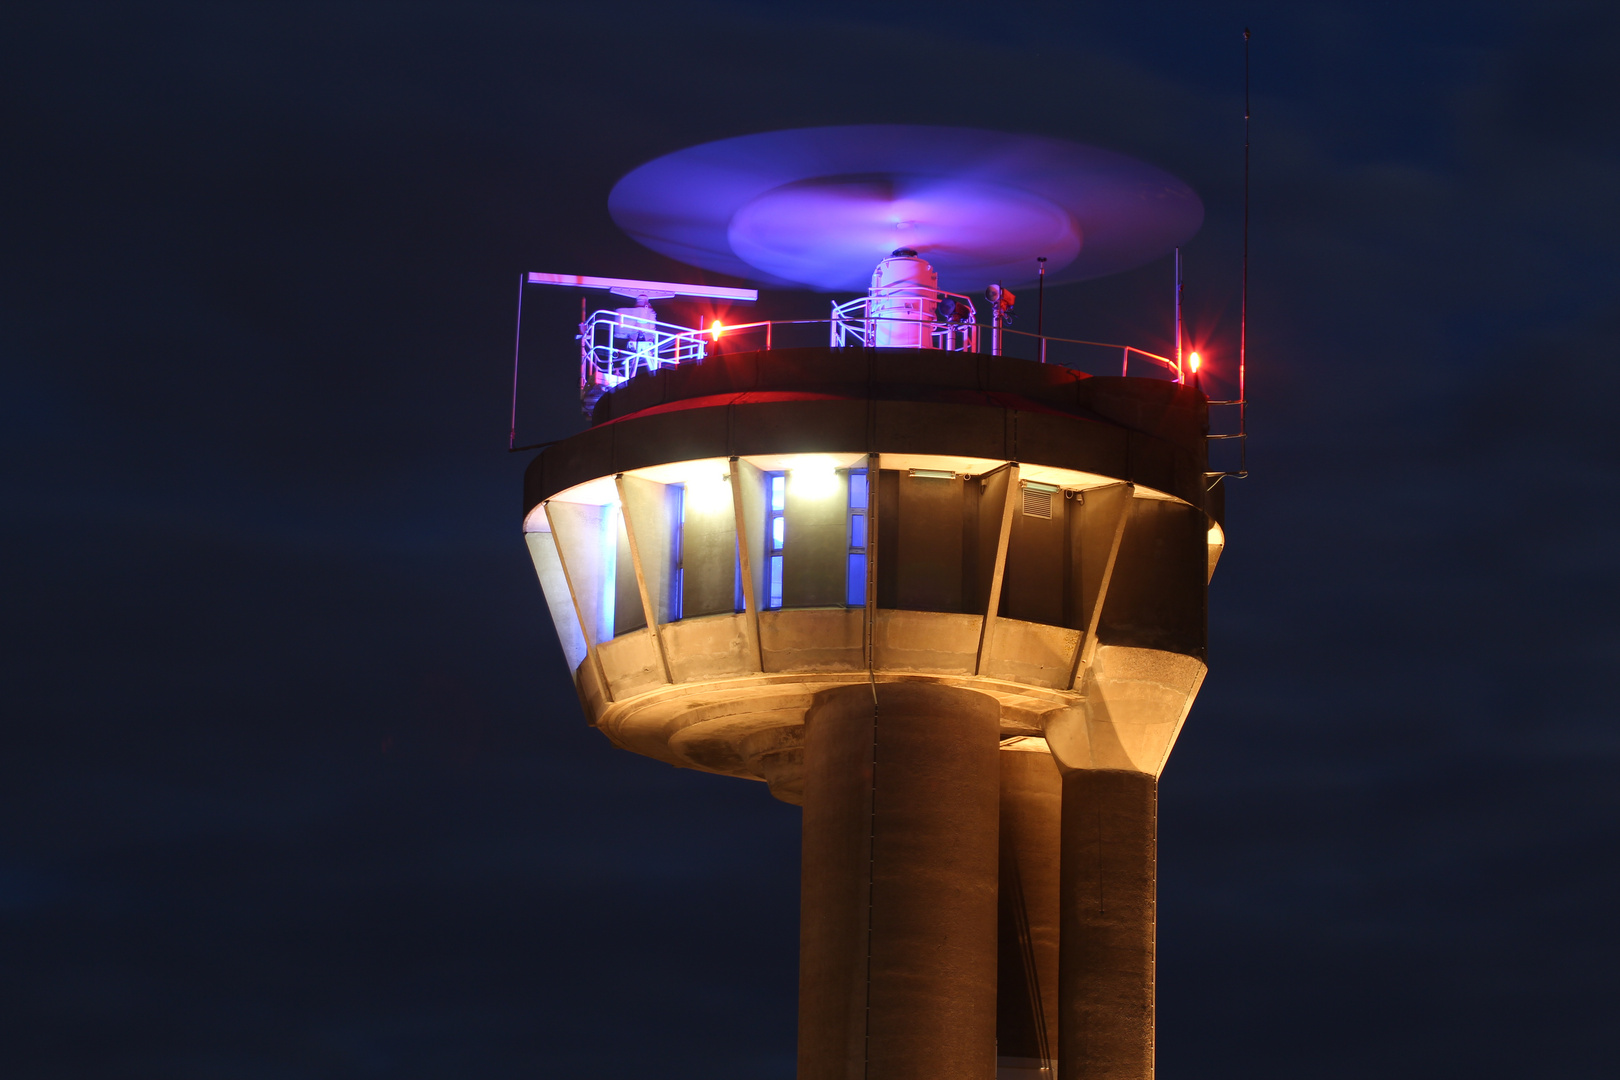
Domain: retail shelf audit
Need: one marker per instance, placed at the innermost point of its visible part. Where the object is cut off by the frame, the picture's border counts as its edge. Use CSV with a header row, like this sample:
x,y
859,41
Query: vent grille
x,y
1037,504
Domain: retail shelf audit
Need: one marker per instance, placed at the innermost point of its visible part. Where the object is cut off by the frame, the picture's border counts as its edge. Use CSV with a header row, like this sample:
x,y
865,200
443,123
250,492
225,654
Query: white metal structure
x,y
652,290
614,345
863,322
902,298
904,309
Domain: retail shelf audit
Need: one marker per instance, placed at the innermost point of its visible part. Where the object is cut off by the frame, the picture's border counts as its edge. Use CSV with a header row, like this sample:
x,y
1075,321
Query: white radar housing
x,y
903,297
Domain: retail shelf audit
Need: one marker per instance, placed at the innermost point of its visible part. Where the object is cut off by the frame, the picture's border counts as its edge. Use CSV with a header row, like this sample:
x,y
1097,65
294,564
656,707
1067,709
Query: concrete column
x,y
834,889
1105,996
897,977
1027,972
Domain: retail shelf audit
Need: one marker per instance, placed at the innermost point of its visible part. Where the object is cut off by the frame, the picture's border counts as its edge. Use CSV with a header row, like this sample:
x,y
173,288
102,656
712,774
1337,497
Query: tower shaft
x,y
1106,969
898,949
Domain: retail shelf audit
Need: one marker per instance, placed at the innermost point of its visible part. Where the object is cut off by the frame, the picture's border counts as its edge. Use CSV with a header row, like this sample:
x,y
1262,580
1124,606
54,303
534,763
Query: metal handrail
x,y
854,319
614,348
680,344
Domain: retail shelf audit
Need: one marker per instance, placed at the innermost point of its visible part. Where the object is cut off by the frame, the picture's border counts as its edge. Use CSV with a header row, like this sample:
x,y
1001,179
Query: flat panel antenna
x,y
652,290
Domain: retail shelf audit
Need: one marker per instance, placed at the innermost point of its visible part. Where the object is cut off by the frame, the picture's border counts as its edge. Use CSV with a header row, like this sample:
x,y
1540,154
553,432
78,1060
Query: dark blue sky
x,y
292,782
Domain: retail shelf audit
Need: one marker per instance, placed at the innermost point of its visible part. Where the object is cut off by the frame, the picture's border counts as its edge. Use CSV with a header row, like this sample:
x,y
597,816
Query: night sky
x,y
293,782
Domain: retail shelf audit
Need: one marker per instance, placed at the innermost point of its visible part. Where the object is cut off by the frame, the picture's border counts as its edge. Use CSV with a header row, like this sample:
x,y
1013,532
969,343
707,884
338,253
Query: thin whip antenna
x,y
517,346
1243,311
1179,375
1040,307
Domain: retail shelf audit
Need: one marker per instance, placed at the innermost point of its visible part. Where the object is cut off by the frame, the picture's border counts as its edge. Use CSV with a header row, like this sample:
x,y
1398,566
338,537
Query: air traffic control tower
x,y
946,597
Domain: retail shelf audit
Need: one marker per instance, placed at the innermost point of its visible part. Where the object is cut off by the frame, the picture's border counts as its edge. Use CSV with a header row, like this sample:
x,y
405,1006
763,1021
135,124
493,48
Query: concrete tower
x,y
950,603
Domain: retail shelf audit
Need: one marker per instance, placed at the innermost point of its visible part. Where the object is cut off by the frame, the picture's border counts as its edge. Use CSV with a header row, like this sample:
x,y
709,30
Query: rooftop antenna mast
x,y
1243,307
1179,368
1242,399
1040,307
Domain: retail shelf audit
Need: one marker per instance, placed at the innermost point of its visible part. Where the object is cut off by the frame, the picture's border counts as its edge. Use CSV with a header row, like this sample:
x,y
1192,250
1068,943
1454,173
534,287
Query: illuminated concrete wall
x,y
661,578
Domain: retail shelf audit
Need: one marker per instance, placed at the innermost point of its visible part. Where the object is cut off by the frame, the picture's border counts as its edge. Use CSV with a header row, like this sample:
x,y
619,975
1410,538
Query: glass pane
x,y
776,582
857,530
857,489
778,492
778,525
855,587
610,574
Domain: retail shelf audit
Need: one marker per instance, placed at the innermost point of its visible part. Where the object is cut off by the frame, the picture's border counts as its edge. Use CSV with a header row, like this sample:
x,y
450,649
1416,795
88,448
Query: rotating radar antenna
x,y
818,207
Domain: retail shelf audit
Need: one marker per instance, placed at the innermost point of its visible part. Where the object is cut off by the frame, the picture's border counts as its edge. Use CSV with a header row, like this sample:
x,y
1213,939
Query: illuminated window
x,y
608,600
677,577
775,536
855,575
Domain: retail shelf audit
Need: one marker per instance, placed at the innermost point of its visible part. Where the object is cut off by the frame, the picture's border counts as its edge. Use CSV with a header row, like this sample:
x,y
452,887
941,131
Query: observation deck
x,y
736,534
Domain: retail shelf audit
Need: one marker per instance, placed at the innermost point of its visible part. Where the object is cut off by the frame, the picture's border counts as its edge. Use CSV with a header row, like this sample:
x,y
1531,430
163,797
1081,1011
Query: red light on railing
x,y
716,329
1194,361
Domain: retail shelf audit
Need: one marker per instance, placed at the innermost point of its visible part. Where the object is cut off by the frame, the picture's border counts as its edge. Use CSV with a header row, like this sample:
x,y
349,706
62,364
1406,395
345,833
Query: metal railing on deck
x,y
949,318
614,349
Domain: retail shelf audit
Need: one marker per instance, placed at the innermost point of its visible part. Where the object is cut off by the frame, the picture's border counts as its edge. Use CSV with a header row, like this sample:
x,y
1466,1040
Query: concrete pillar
x,y
1027,932
834,892
897,977
1105,996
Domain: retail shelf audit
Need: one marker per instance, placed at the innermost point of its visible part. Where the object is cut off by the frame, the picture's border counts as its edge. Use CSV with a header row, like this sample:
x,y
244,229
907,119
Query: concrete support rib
x,y
1103,519
1027,972
898,939
874,470
740,503
648,605
1106,965
586,621
1009,499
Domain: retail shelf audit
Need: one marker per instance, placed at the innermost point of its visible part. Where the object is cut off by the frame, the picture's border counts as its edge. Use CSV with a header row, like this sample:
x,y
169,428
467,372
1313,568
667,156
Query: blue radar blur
x,y
818,207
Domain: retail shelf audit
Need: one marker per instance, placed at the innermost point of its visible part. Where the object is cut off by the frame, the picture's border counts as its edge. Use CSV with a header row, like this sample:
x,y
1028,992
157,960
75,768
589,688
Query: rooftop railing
x,y
615,348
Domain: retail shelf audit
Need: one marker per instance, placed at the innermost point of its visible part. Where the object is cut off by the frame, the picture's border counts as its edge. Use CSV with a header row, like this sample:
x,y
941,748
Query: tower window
x,y
775,536
855,573
677,576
